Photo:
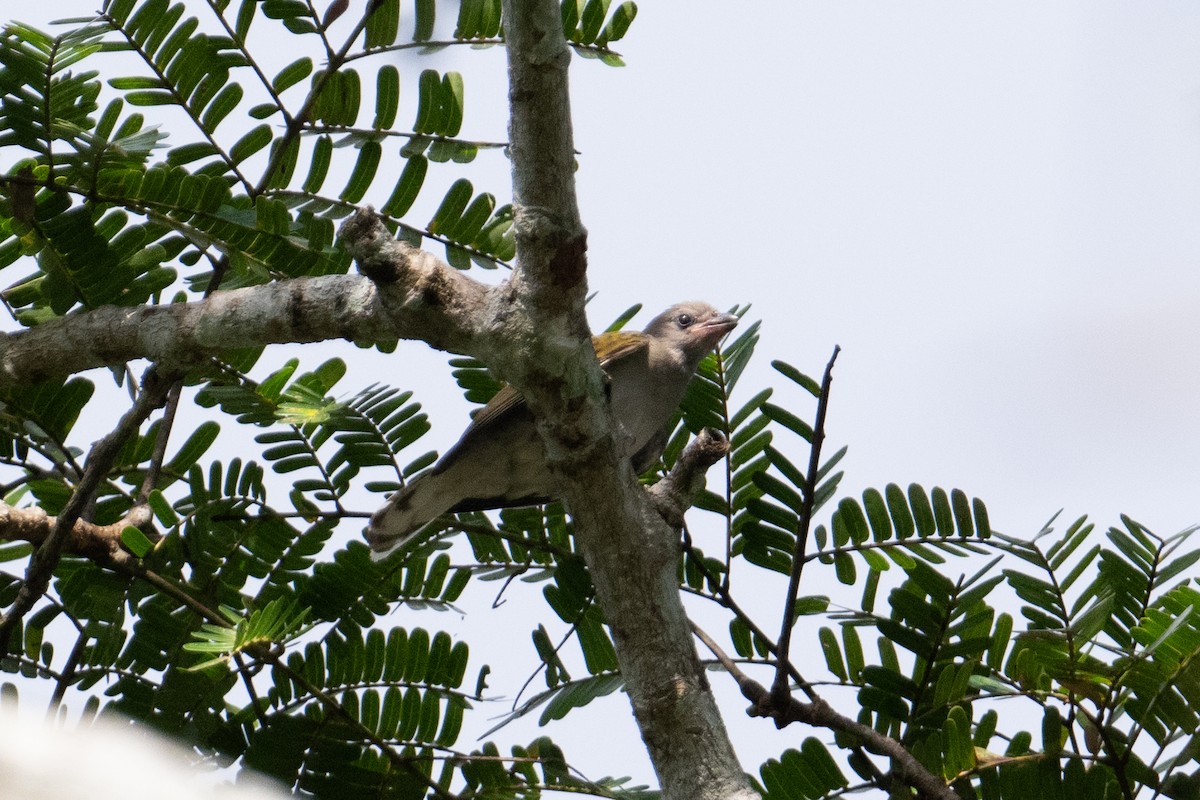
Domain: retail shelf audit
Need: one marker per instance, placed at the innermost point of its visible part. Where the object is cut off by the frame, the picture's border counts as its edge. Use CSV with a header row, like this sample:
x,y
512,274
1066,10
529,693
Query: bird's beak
x,y
721,324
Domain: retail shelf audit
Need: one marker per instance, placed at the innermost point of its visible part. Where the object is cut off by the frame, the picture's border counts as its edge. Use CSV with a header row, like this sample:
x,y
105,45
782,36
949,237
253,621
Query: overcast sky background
x,y
991,207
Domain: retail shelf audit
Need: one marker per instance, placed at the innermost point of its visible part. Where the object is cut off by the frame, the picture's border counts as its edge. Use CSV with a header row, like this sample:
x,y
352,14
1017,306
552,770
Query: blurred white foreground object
x,y
104,760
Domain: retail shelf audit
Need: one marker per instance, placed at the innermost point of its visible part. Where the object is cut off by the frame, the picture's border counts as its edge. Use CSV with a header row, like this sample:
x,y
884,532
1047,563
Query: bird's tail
x,y
406,513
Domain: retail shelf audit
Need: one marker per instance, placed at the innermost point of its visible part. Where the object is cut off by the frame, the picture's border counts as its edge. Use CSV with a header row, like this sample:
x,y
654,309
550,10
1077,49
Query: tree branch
x,y
672,496
100,460
408,294
631,553
100,543
821,714
779,690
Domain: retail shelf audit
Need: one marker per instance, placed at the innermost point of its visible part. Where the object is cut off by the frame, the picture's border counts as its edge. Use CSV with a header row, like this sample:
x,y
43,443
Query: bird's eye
x,y
684,320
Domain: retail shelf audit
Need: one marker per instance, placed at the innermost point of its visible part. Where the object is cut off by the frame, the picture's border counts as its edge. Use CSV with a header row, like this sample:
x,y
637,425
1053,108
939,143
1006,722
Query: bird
x,y
500,461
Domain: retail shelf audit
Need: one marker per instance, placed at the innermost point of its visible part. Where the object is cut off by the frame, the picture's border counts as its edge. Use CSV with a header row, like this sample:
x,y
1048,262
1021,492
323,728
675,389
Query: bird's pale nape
x,y
500,461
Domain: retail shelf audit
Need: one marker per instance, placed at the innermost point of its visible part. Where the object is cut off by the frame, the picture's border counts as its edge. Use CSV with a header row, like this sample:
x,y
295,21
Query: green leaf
x,y
470,16
833,655
136,82
428,86
619,24
322,155
739,635
798,377
1052,731
251,143
162,509
452,99
788,420
369,156
962,513
226,101
135,541
780,491
852,646
850,514
194,448
473,219
592,20
292,74
571,10
943,514
898,511
424,18
407,187
150,98
877,515
387,97
383,25
922,510
844,568
450,211
578,694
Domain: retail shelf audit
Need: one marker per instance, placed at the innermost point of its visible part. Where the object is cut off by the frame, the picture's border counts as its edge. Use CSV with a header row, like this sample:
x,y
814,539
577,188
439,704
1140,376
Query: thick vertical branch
x,y
630,551
543,154
549,285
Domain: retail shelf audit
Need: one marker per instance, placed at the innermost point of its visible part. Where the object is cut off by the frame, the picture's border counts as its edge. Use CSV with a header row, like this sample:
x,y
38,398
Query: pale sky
x,y
992,207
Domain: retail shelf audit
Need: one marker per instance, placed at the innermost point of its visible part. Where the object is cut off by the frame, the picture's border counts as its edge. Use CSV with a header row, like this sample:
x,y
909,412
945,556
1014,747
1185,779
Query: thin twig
x,y
726,601
571,631
315,128
100,460
724,598
67,676
171,590
158,456
779,689
819,713
248,682
294,123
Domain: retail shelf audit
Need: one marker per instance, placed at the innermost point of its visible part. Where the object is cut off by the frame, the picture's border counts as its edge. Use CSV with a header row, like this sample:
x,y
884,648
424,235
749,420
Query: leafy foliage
x,y
250,618
248,622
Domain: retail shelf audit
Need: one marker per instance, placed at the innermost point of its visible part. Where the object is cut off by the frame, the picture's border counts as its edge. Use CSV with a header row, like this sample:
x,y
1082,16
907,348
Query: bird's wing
x,y
502,403
618,344
609,348
508,401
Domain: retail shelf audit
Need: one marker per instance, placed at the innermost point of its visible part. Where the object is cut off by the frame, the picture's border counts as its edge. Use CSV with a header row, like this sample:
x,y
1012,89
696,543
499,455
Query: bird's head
x,y
691,329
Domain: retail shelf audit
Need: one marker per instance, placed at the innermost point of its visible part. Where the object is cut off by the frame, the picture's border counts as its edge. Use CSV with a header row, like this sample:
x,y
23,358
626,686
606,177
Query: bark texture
x,y
409,294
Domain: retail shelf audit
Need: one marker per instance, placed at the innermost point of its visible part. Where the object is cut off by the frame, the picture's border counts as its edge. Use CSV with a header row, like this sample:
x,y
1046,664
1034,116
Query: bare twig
x,y
819,713
158,456
562,643
248,681
779,689
672,496
100,460
725,599
67,676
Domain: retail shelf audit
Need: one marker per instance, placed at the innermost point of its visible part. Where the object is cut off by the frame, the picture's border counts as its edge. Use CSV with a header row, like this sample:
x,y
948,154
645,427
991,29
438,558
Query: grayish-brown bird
x,y
500,461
